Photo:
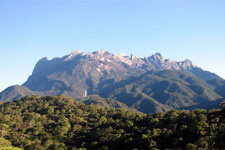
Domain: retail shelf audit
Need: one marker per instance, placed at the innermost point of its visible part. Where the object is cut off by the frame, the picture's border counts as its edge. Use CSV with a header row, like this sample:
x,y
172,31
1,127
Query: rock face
x,y
79,74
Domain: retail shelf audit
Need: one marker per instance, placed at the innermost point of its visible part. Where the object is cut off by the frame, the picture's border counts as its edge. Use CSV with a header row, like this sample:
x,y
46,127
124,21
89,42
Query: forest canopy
x,y
62,123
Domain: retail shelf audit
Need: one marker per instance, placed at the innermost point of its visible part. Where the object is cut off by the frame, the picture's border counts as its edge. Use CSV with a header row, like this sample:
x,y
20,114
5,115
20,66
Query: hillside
x,y
159,91
16,92
60,123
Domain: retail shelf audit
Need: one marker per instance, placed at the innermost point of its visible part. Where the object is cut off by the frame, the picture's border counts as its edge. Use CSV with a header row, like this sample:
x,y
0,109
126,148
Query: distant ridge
x,y
15,92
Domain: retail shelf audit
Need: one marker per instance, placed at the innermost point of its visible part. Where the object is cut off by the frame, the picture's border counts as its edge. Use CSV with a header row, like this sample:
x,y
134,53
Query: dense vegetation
x,y
104,102
61,123
160,91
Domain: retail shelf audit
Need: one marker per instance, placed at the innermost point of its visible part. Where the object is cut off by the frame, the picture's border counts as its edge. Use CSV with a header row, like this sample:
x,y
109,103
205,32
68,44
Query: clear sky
x,y
178,29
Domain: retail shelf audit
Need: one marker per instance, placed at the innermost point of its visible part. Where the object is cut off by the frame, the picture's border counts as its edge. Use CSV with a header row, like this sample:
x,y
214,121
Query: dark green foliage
x,y
160,91
59,122
104,102
5,144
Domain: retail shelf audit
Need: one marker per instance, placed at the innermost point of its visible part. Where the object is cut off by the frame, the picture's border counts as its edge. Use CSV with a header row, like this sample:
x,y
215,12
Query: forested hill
x,y
61,123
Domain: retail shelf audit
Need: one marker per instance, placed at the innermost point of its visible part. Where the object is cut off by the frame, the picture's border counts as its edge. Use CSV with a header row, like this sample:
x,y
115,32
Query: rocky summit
x,y
102,73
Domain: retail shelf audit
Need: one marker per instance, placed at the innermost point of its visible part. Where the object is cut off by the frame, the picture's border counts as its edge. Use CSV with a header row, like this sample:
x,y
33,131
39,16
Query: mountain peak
x,y
44,59
100,52
133,56
187,61
74,54
158,54
157,57
187,64
122,54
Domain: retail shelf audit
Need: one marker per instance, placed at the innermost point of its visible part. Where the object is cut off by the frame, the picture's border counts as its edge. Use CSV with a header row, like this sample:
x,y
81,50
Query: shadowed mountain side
x,y
159,91
16,92
209,105
220,86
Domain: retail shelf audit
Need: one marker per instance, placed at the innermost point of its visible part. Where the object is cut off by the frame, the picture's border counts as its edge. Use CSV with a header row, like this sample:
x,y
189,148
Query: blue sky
x,y
178,29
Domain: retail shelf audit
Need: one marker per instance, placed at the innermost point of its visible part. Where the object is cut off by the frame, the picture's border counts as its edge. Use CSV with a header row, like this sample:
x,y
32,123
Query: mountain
x,y
78,75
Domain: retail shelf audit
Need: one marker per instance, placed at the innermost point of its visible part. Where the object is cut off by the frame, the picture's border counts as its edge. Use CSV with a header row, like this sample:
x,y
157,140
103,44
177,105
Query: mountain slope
x,y
159,91
219,84
16,92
